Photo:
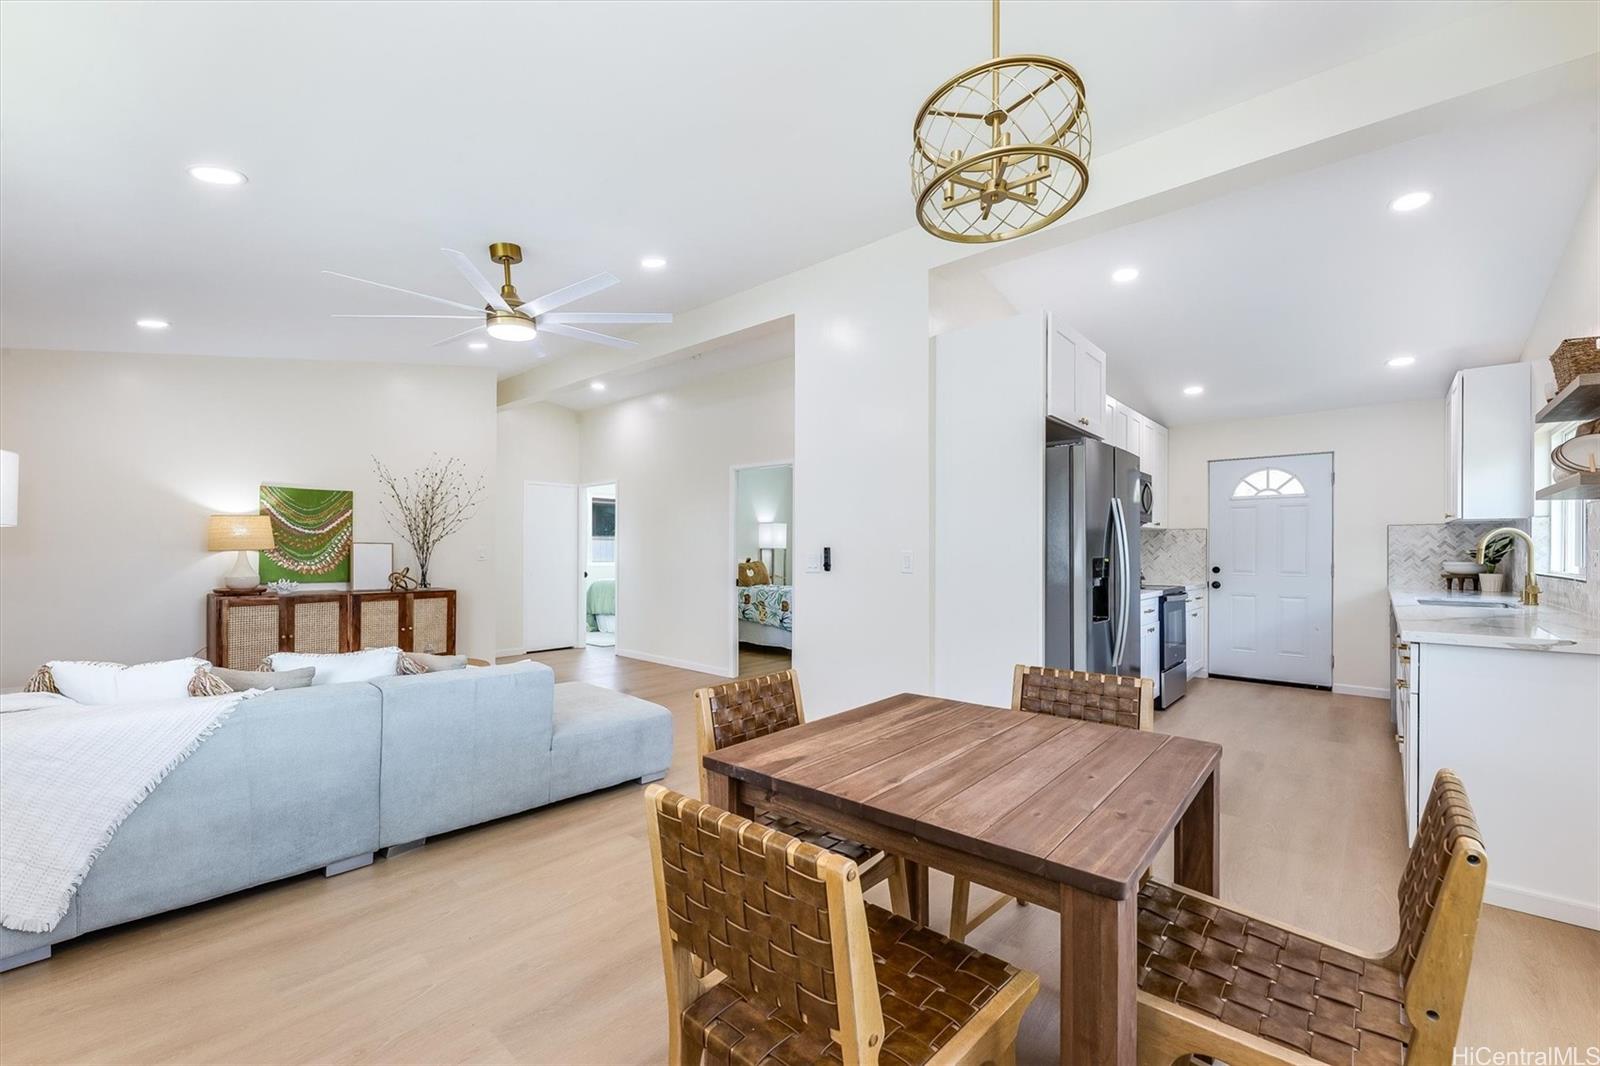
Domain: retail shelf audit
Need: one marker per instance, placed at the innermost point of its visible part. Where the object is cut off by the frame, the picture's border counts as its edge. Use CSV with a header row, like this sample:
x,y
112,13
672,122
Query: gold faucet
x,y
1530,587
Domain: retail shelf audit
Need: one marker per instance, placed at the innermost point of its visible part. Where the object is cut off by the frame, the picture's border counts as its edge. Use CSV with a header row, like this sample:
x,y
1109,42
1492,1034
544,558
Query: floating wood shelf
x,y
1572,487
1578,402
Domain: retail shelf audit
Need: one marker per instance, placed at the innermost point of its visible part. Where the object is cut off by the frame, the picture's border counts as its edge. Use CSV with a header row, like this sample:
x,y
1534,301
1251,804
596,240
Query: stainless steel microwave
x,y
1147,499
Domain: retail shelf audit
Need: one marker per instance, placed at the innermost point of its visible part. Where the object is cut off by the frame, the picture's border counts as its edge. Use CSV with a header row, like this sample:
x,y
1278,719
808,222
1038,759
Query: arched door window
x,y
1268,482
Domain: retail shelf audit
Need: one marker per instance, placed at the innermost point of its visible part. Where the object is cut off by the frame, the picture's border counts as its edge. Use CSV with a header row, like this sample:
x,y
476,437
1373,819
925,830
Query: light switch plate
x,y
813,562
905,563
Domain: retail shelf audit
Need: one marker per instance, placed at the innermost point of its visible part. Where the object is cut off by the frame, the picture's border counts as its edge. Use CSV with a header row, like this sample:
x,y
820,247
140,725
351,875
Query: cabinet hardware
x,y
1085,421
1149,610
1400,682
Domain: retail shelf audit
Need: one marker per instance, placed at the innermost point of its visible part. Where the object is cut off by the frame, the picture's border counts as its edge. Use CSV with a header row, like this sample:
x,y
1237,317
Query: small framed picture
x,y
371,563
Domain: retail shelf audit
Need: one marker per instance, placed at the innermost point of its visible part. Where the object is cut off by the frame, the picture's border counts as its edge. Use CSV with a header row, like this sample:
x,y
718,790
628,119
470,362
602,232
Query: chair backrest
x,y
1441,893
782,919
745,709
1109,698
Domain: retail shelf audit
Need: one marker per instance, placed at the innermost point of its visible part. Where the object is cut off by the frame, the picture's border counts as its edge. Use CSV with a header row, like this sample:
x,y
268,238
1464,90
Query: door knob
x,y
1216,569
1216,584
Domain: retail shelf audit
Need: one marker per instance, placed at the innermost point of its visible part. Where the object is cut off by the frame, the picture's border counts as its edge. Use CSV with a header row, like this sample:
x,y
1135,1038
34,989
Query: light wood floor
x,y
534,939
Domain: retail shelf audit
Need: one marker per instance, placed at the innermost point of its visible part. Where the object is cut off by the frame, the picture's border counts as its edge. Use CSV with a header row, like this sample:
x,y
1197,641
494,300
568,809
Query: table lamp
x,y
241,533
772,537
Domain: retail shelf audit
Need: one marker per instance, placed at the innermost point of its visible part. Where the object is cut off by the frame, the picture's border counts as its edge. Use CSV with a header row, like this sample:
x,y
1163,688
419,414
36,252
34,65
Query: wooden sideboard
x,y
243,630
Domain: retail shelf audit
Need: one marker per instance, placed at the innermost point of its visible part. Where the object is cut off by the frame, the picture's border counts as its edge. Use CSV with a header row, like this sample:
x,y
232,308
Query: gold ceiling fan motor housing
x,y
1001,150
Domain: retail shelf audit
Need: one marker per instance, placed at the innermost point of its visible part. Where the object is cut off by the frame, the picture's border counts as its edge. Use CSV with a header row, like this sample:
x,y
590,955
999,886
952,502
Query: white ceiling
x,y
741,140
1291,296
762,344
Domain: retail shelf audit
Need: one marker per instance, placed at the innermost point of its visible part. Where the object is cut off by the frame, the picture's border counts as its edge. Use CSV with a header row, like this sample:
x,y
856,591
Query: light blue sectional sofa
x,y
323,777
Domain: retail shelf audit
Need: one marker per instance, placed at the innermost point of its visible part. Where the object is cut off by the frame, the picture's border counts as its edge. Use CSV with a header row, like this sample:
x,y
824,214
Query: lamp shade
x,y
239,532
8,488
772,534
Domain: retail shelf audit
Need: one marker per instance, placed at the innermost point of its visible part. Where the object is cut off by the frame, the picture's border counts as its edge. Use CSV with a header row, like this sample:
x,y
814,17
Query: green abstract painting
x,y
313,529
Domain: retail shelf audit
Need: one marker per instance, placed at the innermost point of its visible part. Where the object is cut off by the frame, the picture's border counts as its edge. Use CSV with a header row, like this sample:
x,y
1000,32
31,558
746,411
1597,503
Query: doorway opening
x,y
1271,546
597,591
763,593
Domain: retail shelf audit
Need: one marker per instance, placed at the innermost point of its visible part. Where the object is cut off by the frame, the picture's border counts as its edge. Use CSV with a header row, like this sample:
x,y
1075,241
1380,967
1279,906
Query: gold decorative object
x,y
1001,149
402,581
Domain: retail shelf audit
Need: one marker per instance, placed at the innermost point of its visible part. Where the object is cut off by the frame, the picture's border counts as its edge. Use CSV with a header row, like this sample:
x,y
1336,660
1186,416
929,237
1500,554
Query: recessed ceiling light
x,y
653,262
598,386
212,175
478,346
152,323
1410,201
1193,390
1123,275
1402,360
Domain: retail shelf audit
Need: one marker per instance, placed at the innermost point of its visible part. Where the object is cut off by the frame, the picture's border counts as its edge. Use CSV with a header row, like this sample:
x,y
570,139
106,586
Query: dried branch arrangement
x,y
429,504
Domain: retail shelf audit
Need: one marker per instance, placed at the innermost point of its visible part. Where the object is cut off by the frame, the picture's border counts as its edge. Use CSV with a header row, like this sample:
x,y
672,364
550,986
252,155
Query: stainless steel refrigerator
x,y
1091,606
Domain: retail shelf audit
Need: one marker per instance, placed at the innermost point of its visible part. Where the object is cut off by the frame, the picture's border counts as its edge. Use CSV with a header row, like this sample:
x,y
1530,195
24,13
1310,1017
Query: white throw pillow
x,y
106,683
338,668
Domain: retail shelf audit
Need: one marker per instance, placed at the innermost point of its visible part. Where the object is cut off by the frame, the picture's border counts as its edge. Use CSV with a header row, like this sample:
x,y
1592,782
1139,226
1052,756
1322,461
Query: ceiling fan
x,y
508,317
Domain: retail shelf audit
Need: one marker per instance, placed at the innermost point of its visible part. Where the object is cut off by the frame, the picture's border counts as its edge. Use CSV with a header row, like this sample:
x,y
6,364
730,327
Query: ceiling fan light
x,y
510,328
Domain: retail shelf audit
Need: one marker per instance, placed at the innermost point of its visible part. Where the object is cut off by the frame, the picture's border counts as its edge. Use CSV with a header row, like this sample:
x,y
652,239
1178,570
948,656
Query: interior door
x,y
549,565
1271,546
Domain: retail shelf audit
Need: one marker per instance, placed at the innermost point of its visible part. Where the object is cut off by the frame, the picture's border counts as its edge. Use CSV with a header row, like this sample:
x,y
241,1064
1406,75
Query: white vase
x,y
1493,584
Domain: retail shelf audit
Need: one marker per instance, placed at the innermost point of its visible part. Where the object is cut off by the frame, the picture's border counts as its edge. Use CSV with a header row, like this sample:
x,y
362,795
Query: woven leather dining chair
x,y
754,707
1218,982
1107,698
799,968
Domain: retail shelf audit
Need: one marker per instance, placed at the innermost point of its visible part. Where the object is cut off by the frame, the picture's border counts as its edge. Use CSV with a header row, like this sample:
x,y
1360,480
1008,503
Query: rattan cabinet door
x,y
316,624
247,630
376,619
432,622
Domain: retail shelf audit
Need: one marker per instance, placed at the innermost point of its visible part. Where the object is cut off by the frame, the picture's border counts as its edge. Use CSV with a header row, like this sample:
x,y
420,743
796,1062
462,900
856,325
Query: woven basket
x,y
1574,356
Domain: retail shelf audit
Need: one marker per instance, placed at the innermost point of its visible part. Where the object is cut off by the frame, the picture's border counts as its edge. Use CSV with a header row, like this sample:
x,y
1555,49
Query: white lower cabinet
x,y
1150,638
1196,631
1519,727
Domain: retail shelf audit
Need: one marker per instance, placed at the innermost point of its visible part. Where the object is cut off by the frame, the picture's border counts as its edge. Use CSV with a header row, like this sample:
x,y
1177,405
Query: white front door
x,y
549,565
1271,546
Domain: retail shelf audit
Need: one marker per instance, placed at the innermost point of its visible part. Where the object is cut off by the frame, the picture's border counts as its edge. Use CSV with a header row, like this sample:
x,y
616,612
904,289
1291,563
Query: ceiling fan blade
x,y
586,335
458,336
602,318
561,297
475,278
408,292
464,318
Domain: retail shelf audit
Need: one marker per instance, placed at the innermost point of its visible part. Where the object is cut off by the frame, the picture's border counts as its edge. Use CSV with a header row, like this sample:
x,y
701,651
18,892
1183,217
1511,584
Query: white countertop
x,y
1519,628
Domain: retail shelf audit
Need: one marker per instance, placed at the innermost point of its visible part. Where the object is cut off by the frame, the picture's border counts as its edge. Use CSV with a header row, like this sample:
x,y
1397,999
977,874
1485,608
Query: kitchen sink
x,y
1468,603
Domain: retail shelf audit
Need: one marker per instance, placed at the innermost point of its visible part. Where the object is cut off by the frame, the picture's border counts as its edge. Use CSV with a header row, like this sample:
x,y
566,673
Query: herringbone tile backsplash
x,y
1172,556
1416,553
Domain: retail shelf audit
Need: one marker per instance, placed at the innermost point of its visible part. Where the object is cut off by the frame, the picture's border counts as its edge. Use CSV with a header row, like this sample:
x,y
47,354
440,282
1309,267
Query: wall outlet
x,y
905,563
483,554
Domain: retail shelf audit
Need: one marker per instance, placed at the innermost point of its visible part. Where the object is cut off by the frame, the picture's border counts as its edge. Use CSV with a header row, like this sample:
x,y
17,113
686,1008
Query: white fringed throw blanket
x,y
69,777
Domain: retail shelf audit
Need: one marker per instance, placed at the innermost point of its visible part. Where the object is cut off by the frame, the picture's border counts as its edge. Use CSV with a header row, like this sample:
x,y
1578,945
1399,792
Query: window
x,y
1268,482
602,531
1558,525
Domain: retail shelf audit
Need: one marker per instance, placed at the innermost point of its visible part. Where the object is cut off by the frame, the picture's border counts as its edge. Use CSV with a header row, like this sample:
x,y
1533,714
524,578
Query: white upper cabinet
x,y
1488,444
1121,431
1077,382
1147,440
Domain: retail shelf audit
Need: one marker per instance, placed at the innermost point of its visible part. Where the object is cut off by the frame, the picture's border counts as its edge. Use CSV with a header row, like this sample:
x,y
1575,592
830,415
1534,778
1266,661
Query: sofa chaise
x,y
323,777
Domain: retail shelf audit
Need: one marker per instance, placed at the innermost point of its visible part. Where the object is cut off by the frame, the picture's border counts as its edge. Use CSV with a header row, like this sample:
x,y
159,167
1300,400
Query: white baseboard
x,y
1558,908
1362,690
681,664
505,653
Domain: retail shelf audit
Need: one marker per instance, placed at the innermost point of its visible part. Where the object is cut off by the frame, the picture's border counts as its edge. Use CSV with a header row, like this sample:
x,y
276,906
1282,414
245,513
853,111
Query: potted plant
x,y
1494,553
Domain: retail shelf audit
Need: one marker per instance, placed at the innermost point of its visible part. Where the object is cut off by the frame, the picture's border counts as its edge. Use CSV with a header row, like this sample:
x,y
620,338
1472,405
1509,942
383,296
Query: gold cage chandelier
x,y
1001,149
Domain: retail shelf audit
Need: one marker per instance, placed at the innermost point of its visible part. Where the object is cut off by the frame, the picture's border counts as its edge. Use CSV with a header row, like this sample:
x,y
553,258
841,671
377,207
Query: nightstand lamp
x,y
773,537
242,533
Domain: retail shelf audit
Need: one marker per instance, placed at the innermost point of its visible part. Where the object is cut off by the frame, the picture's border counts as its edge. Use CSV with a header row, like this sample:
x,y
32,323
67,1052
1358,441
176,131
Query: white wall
x,y
1388,464
124,456
538,442
671,455
764,495
1571,308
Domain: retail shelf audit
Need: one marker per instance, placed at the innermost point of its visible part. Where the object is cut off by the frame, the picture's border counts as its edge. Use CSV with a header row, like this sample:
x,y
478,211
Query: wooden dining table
x,y
1063,813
